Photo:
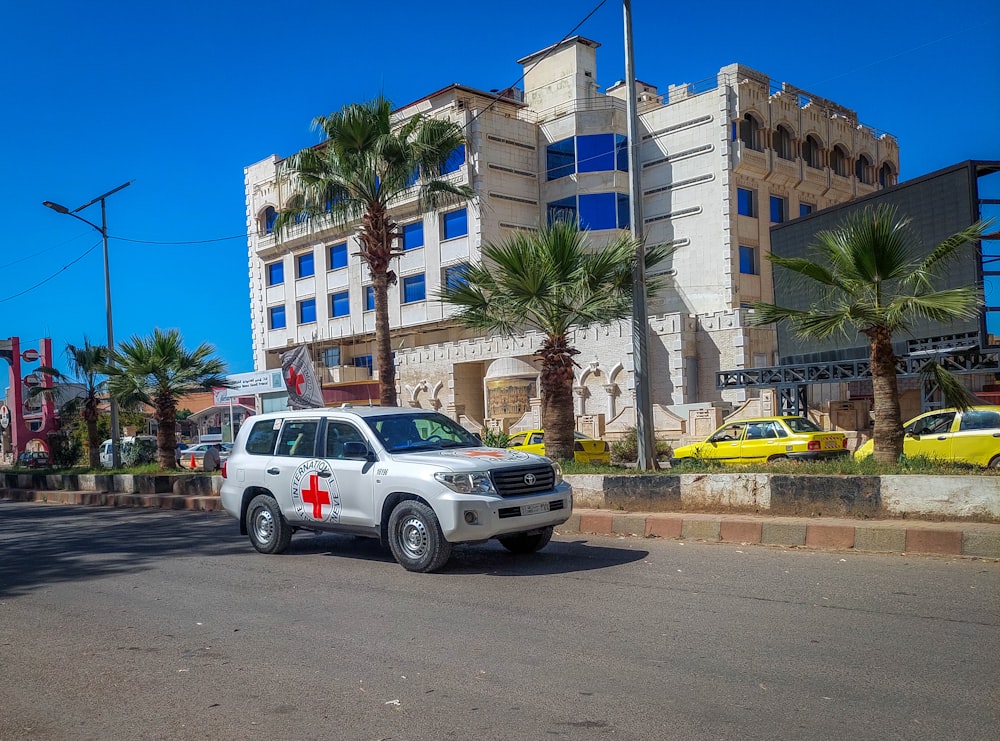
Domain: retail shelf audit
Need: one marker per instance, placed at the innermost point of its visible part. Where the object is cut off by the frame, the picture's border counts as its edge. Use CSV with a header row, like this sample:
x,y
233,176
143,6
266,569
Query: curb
x,y
115,499
980,540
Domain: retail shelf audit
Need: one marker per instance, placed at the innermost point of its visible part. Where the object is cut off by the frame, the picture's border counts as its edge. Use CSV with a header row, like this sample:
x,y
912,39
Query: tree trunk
x,y
90,415
165,412
377,234
558,417
888,431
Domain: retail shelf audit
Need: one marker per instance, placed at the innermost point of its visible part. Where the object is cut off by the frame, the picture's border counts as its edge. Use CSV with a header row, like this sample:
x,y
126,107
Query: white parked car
x,y
414,479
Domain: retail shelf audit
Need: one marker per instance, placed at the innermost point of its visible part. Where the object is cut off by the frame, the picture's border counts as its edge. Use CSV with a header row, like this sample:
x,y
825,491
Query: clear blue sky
x,y
181,96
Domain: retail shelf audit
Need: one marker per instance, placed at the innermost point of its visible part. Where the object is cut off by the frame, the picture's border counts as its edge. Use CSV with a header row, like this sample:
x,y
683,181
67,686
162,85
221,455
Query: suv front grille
x,y
516,482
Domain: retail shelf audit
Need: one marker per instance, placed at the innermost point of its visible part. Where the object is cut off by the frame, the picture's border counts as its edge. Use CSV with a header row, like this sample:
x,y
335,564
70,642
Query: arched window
x,y
863,169
839,159
750,133
784,143
265,220
812,150
886,175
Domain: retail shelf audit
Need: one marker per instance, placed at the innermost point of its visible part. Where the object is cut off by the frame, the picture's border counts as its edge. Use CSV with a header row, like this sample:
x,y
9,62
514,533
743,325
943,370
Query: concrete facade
x,y
701,144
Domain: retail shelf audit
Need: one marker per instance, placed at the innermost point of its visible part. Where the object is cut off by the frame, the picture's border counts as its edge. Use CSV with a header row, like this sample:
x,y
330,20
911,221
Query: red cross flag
x,y
297,369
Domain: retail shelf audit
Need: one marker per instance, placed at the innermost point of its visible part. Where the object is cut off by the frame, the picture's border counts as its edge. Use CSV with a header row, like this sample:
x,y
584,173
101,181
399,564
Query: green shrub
x,y
626,450
495,438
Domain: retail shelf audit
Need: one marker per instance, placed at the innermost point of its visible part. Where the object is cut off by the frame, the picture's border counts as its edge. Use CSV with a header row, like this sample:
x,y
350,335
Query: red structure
x,y
29,424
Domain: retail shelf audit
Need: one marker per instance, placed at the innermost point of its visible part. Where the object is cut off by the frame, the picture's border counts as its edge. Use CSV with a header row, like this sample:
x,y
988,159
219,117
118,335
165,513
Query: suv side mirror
x,y
357,450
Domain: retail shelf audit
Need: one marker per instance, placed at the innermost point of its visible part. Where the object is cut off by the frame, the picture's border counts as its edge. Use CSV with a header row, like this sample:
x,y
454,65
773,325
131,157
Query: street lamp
x,y
116,455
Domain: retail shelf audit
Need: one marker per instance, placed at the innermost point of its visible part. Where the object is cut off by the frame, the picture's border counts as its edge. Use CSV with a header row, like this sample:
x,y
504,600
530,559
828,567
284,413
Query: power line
x,y
194,241
60,270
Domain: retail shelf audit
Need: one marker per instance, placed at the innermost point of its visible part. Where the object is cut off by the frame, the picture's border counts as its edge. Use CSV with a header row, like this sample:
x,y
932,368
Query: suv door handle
x,y
273,471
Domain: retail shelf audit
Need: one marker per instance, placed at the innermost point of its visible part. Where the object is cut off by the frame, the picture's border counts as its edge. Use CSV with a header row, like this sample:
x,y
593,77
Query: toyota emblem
x,y
529,478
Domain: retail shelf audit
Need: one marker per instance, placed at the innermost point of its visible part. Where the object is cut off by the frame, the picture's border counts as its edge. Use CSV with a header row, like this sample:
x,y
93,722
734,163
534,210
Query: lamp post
x,y
116,454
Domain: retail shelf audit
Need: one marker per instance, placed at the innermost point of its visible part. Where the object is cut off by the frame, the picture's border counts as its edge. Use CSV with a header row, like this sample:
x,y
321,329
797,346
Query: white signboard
x,y
249,384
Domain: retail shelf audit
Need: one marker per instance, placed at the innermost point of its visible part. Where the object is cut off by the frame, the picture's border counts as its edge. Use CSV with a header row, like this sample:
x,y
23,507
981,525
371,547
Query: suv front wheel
x,y
268,530
415,537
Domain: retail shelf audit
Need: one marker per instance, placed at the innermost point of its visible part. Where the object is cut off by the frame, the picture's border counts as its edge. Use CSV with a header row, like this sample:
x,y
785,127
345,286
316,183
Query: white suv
x,y
414,479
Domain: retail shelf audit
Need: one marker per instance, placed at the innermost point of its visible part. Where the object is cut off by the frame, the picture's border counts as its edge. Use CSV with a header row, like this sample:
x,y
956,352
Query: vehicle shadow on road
x,y
491,559
44,544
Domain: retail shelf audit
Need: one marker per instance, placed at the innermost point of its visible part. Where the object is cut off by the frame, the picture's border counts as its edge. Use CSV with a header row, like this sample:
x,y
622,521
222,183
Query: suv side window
x,y
338,433
298,438
261,439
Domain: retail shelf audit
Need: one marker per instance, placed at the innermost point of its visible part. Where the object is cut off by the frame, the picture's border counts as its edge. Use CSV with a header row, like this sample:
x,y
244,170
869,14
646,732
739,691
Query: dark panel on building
x,y
938,205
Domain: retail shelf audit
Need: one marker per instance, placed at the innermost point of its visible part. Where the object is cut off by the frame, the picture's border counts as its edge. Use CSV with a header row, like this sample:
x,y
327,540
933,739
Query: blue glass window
x,y
562,210
275,273
413,288
560,159
413,235
331,357
413,177
745,202
338,256
621,152
363,361
779,209
340,304
369,298
307,311
269,216
595,153
805,209
598,211
456,275
277,317
455,160
454,224
748,260
305,265
624,212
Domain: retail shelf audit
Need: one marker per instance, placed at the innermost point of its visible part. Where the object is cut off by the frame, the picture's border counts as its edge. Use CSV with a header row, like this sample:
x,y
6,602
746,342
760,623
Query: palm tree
x,y
551,282
365,165
873,280
88,366
158,371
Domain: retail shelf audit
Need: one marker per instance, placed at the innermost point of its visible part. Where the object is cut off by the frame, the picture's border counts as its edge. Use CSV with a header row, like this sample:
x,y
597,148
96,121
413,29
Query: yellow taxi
x,y
970,436
763,440
585,449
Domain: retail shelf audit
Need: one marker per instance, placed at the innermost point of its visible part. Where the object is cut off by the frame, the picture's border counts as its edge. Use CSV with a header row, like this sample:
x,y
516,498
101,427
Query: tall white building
x,y
721,161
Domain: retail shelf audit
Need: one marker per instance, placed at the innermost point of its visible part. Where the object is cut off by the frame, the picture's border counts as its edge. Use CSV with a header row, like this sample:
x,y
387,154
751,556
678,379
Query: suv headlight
x,y
467,483
557,471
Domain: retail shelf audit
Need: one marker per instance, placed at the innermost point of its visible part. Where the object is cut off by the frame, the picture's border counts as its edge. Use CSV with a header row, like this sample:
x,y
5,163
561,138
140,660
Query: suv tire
x,y
415,537
268,530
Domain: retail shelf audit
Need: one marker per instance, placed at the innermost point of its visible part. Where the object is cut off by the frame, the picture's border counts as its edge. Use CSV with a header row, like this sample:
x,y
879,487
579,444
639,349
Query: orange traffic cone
x,y
194,464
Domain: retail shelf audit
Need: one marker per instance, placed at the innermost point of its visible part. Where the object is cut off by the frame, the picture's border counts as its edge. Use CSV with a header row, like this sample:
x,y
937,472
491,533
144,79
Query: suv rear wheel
x,y
415,537
268,530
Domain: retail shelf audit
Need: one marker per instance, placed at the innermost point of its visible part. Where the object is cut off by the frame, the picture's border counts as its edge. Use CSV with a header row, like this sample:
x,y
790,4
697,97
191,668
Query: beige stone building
x,y
721,161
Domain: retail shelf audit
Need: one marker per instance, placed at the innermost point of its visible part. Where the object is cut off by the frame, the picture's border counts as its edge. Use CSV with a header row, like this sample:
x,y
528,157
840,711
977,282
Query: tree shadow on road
x,y
44,544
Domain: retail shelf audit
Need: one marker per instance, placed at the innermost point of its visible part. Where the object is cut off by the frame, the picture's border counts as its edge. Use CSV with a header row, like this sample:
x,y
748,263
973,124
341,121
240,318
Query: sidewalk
x,y
878,536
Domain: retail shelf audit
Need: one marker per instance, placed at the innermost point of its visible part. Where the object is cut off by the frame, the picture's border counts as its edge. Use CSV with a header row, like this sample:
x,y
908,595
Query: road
x,y
143,624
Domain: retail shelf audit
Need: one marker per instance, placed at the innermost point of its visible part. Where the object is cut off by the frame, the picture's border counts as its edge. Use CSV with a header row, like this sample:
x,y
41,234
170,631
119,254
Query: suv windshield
x,y
430,431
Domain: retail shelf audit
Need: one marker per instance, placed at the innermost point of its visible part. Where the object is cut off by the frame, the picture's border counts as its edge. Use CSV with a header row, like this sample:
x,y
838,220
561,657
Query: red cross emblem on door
x,y
315,496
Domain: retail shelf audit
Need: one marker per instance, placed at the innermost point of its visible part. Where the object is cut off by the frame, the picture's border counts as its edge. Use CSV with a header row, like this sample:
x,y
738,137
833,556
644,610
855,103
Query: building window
x,y
745,202
750,133
338,256
806,208
363,361
863,169
331,357
560,159
779,209
369,298
748,260
811,149
839,159
307,311
413,289
305,265
276,319
265,222
454,224
784,143
886,175
456,275
455,160
275,273
592,210
340,304
413,235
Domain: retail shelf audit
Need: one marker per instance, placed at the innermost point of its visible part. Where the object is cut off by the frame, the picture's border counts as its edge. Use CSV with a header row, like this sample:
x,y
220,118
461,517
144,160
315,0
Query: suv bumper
x,y
493,516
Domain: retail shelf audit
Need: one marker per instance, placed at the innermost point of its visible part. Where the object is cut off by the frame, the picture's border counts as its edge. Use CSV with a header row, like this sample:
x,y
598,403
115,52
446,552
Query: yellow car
x,y
763,440
972,436
585,449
